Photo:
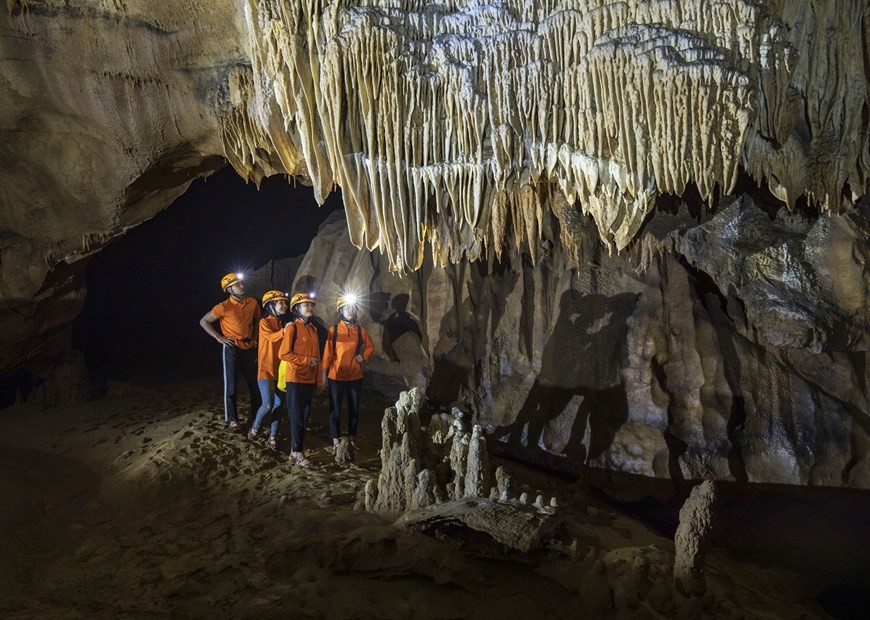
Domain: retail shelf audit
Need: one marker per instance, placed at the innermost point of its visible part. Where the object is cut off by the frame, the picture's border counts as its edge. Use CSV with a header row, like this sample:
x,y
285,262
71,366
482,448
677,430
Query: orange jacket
x,y
237,320
271,335
340,360
298,356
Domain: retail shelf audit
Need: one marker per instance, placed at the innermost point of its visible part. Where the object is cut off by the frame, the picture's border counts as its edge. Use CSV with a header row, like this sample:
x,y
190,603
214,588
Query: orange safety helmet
x,y
231,278
301,298
273,296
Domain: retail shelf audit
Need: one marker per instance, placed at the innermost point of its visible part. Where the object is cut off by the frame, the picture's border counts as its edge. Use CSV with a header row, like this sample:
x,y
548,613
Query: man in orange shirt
x,y
301,350
238,316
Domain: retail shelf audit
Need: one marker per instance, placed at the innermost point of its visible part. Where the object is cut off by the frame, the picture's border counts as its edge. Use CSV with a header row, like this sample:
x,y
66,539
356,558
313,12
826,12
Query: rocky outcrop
x,y
423,465
110,110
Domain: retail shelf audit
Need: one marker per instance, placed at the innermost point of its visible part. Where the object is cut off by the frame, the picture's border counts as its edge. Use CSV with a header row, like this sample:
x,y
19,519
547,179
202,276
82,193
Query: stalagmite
x,y
420,469
690,540
438,138
477,473
503,479
408,482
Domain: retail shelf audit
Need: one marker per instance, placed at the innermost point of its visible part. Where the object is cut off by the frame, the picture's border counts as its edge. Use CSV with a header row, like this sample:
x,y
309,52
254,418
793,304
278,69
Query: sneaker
x,y
298,458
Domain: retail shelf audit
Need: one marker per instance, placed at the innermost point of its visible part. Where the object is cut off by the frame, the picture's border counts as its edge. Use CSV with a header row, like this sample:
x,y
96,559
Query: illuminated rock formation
x,y
728,348
451,124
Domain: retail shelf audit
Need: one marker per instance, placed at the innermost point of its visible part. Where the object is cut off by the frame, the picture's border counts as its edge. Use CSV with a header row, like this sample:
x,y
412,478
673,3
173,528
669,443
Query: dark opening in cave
x,y
147,290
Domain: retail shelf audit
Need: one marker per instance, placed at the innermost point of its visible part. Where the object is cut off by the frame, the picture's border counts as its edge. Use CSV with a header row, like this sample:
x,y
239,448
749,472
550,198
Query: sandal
x,y
298,458
233,427
252,434
272,443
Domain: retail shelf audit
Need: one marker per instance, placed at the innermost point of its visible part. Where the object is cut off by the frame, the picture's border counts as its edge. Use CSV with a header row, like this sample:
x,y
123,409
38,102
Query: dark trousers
x,y
337,392
299,409
237,361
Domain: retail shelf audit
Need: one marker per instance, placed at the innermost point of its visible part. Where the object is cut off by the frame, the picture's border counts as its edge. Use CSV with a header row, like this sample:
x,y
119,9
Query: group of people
x,y
282,346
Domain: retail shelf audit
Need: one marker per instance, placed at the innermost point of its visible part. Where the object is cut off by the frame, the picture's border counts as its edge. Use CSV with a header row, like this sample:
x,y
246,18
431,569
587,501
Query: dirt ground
x,y
142,504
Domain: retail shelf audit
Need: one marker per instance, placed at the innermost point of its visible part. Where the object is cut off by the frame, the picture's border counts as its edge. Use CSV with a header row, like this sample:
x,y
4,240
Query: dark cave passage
x,y
147,290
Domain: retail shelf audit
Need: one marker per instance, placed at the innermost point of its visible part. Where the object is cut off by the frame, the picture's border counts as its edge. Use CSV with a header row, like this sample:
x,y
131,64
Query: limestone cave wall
x,y
723,346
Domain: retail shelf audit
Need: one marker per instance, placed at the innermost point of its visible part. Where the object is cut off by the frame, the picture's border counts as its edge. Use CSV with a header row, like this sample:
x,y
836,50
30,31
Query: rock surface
x,y
511,524
683,359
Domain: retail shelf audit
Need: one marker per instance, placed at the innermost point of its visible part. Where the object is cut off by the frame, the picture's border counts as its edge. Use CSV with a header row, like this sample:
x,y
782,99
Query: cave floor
x,y
141,504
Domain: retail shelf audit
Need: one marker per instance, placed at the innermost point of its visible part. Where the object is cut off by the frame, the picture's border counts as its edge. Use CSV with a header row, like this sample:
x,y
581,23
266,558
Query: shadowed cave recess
x,y
613,258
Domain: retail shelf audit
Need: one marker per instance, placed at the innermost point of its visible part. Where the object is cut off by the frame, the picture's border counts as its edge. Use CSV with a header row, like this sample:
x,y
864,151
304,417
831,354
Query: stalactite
x,y
438,121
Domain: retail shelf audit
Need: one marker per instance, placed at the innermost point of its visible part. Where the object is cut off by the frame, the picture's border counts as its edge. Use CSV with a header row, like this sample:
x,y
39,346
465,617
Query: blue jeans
x,y
299,409
337,391
237,361
270,403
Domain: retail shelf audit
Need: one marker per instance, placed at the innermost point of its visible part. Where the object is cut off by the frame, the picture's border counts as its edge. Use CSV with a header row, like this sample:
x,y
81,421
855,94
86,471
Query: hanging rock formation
x,y
436,120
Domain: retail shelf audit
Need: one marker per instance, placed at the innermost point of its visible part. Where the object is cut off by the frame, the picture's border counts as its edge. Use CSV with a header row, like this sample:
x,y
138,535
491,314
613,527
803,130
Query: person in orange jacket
x,y
238,316
300,348
348,346
271,336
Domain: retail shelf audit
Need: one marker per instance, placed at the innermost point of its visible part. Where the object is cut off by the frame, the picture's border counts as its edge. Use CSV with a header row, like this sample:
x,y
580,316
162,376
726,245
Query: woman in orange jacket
x,y
271,335
348,346
300,348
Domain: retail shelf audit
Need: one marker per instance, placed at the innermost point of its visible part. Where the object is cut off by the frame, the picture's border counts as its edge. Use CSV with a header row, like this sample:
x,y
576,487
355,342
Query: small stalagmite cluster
x,y
441,473
454,124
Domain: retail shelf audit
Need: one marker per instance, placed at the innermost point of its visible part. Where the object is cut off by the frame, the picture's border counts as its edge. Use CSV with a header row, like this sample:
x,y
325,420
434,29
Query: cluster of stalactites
x,y
442,122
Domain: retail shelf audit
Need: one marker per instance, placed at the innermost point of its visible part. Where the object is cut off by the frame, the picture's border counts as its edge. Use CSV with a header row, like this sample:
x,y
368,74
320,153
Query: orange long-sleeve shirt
x,y
299,368
237,320
340,362
271,336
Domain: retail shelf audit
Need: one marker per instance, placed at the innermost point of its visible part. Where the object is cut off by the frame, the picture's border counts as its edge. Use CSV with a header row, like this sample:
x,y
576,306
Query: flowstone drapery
x,y
451,123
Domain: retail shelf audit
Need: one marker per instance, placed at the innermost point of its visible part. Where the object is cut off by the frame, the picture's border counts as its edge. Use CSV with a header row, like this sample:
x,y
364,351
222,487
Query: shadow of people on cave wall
x,y
398,323
448,384
582,358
